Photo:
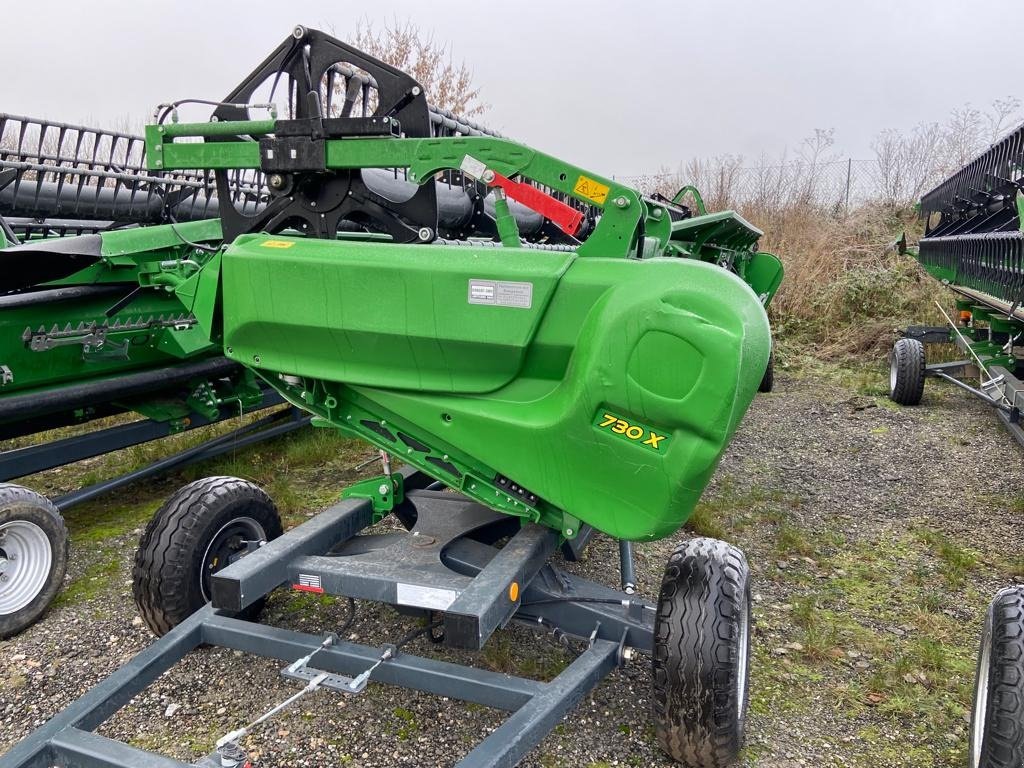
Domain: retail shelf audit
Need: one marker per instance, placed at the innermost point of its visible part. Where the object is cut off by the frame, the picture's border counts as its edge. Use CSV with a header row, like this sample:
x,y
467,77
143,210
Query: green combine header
x,y
568,355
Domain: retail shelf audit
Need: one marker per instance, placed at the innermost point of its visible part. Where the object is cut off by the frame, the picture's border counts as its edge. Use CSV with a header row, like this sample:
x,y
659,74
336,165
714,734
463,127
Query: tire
x,y
701,654
997,718
906,372
197,532
768,380
33,557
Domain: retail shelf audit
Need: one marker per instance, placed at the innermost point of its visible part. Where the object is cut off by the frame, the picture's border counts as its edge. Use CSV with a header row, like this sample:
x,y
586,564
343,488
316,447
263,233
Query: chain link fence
x,y
834,185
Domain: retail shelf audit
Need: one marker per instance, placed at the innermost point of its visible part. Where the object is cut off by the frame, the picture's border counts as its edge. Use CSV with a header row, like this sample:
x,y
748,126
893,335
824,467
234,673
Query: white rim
x,y
741,663
258,534
981,695
25,561
892,373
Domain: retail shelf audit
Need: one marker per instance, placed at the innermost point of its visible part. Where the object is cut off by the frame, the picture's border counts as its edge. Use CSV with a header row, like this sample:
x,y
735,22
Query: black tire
x,y
701,654
906,372
768,380
197,532
31,529
997,718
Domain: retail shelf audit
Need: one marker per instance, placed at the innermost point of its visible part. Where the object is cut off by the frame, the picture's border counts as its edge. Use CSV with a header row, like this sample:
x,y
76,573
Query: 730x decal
x,y
632,431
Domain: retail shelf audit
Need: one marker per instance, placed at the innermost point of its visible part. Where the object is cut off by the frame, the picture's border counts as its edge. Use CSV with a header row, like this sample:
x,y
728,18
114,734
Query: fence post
x,y
849,171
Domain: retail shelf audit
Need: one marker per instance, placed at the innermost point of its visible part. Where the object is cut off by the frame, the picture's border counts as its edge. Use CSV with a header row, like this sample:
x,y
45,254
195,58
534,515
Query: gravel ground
x,y
876,536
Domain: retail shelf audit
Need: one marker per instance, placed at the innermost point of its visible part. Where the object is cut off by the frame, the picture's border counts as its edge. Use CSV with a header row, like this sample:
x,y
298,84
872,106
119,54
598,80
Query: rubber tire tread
x,y
909,358
768,380
1003,729
164,576
20,503
705,590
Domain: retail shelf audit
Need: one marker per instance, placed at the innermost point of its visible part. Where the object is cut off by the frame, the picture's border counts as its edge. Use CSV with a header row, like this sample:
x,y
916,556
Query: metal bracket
x,y
339,683
382,492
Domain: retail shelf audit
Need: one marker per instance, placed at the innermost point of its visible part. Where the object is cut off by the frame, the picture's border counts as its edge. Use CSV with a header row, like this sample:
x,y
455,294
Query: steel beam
x,y
108,696
490,600
524,730
441,678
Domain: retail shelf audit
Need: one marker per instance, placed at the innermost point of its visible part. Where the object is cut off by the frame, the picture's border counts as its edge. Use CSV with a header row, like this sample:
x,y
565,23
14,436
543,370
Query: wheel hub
x,y
229,543
25,561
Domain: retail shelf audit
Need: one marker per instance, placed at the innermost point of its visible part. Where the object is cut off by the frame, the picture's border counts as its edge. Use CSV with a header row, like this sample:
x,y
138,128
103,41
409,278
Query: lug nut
x,y
383,490
276,180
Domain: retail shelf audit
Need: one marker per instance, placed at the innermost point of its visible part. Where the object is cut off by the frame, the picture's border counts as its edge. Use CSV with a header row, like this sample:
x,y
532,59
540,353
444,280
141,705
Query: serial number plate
x,y
501,293
631,430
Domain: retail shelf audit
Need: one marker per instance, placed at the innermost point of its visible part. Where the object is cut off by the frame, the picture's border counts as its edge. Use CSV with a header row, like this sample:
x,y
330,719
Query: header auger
x,y
566,353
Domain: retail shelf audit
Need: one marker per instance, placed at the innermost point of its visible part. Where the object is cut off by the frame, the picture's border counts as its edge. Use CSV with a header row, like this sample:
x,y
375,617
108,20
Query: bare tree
x,y
906,163
404,45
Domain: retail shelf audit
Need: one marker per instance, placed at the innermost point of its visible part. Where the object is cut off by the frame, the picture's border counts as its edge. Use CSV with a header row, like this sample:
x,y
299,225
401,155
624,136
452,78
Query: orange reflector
x,y
513,591
965,316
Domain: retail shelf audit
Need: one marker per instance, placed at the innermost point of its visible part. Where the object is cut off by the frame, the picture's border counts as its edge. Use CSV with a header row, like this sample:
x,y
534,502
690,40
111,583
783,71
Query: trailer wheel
x,y
906,372
997,719
768,380
201,529
33,557
702,653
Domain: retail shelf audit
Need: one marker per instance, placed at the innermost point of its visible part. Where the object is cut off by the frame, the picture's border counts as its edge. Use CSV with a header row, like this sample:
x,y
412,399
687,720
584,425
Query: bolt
x,y
11,557
415,90
628,654
312,203
383,490
568,531
3,577
622,202
256,359
656,213
426,234
488,176
276,180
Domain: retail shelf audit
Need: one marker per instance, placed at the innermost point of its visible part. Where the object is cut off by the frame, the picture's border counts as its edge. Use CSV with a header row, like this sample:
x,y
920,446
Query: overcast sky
x,y
622,86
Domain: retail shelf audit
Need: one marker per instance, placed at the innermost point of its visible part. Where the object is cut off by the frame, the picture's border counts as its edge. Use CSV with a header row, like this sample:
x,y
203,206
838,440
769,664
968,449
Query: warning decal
x,y
277,244
593,190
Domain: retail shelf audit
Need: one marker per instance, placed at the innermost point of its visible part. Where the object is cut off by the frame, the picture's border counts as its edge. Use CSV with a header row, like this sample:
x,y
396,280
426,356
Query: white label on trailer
x,y
426,597
501,293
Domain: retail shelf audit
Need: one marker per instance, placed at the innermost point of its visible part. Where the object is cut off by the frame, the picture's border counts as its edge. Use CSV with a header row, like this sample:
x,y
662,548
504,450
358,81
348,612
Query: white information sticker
x,y
426,597
501,293
472,167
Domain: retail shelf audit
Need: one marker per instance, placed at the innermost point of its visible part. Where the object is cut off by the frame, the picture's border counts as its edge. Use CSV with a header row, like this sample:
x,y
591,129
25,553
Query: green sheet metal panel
x,y
610,392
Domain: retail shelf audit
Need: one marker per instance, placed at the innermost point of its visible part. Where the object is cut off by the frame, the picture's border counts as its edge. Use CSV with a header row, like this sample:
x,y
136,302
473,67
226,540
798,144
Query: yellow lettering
x,y
653,440
620,427
609,420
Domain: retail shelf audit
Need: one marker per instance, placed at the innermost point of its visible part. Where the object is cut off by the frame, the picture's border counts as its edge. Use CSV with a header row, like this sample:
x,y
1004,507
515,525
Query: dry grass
x,y
846,291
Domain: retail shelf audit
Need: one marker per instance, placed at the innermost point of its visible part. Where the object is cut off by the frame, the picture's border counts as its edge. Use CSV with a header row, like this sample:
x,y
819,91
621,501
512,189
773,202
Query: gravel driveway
x,y
876,537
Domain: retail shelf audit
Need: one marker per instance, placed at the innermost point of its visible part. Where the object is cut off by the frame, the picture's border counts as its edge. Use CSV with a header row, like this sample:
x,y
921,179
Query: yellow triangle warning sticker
x,y
591,189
